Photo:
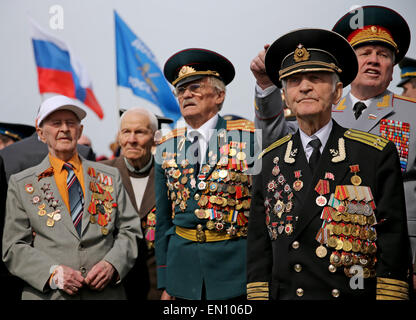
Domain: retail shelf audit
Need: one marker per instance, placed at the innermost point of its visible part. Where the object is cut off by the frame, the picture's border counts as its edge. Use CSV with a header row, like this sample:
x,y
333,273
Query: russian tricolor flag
x,y
59,71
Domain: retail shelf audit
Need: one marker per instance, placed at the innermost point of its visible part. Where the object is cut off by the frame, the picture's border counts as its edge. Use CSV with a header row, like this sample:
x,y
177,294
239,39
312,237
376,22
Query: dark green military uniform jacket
x,y
309,234
201,221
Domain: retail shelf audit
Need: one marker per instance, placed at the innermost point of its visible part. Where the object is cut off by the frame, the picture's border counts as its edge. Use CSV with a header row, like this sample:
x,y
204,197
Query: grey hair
x,y
138,110
219,85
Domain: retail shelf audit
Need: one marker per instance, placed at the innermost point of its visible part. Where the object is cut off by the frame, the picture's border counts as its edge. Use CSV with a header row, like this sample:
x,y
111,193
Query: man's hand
x,y
67,279
166,296
100,275
258,69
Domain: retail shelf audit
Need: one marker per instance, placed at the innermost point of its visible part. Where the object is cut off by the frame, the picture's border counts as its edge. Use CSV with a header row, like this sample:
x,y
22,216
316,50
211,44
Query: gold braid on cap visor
x,y
372,33
194,73
331,67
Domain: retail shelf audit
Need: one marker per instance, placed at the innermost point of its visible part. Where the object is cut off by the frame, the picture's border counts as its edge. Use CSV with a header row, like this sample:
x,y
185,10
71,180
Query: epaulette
x,y
173,134
404,98
241,124
275,145
367,138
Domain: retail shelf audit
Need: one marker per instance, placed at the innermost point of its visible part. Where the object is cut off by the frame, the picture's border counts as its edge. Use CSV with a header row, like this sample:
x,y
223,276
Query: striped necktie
x,y
76,197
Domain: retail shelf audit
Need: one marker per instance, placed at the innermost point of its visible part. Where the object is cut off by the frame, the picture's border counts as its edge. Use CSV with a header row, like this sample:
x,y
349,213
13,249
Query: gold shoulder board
x,y
241,124
367,138
396,96
173,134
275,145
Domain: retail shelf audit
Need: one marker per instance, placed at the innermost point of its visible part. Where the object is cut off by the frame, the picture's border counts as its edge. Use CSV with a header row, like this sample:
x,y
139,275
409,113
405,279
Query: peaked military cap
x,y
311,50
408,70
194,63
381,25
16,131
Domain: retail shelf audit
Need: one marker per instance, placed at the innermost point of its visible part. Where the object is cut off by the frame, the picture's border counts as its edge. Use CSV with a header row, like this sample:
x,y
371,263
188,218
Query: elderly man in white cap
x,y
70,230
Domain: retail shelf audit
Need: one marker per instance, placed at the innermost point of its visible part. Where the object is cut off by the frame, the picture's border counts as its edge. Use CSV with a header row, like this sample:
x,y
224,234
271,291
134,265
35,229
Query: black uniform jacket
x,y
282,258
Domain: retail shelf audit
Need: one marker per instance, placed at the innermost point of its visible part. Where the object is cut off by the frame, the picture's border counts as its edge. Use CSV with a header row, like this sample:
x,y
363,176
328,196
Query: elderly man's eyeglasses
x,y
194,88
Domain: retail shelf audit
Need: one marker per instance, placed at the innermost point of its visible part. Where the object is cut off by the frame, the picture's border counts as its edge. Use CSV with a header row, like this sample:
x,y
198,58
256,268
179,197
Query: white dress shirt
x,y
322,134
204,133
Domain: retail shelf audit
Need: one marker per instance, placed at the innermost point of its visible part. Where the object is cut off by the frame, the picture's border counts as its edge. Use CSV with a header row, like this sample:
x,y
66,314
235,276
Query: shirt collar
x,y
367,102
322,134
142,170
57,163
205,131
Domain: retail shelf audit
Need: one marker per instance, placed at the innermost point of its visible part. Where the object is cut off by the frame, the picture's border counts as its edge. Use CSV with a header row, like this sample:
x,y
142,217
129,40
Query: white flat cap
x,y
59,102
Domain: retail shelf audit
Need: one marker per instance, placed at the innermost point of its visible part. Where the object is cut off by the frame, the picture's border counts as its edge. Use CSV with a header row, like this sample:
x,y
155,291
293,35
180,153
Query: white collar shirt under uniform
x,y
322,134
204,133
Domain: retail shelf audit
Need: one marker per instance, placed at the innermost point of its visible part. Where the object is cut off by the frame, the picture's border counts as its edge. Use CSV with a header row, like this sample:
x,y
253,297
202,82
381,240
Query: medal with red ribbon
x,y
322,187
298,184
355,179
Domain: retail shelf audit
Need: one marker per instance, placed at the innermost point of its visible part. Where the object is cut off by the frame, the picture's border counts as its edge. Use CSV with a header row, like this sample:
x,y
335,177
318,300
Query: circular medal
x,y
41,212
210,225
356,180
321,251
241,156
184,180
223,173
297,185
93,219
202,185
321,201
104,231
29,188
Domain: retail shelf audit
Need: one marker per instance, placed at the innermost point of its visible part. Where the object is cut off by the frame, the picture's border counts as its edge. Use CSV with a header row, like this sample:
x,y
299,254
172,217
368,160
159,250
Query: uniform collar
x,y
138,171
322,134
57,163
367,102
205,131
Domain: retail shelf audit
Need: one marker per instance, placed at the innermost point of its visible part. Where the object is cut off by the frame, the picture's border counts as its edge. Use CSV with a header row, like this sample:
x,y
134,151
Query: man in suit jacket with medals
x,y
70,230
202,185
328,216
136,166
380,43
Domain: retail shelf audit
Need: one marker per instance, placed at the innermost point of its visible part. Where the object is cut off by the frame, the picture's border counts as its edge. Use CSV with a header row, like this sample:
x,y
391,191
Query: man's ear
x,y
39,131
337,93
221,97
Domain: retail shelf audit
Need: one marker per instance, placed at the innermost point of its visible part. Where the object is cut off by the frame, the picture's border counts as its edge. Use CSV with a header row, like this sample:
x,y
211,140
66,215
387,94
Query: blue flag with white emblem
x,y
138,70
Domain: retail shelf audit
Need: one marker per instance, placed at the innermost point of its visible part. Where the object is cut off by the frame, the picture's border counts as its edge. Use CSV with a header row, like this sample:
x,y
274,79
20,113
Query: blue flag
x,y
138,70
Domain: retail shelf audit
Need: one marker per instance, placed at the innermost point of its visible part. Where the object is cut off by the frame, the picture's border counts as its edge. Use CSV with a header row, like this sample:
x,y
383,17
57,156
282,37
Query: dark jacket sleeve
x,y
259,248
392,235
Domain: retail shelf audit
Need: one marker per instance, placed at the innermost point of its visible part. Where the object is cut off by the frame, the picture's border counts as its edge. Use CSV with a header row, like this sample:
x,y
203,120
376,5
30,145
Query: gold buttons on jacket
x,y
295,245
335,293
297,267
299,292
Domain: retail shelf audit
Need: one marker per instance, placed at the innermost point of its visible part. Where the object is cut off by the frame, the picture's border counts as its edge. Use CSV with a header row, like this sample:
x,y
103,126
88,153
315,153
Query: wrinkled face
x,y
311,94
201,103
135,136
375,67
409,90
61,131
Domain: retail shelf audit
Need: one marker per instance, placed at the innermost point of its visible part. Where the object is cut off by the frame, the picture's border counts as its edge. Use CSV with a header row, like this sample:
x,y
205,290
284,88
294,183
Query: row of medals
x,y
351,236
103,205
218,191
47,195
282,206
